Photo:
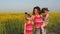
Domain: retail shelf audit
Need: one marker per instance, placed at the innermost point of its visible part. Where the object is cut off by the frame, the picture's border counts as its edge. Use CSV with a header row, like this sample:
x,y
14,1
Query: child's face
x,y
27,17
46,11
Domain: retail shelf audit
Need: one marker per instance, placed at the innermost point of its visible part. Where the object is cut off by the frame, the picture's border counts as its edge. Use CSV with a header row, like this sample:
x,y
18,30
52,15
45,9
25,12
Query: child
x,y
37,18
28,25
45,19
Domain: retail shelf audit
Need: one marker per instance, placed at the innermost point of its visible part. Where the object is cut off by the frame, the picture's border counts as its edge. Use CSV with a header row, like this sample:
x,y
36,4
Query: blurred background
x,y
12,15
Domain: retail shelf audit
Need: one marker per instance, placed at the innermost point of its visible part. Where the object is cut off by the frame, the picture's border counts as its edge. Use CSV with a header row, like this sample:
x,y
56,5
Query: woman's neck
x,y
37,14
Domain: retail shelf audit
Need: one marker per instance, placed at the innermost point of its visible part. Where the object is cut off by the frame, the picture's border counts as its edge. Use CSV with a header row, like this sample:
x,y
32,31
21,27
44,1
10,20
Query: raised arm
x,y
32,18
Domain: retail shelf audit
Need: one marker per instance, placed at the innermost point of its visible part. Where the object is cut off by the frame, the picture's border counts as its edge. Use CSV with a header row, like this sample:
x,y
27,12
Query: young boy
x,y
45,19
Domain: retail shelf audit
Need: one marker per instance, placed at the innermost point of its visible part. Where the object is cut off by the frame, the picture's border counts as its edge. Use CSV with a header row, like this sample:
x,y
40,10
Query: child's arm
x,y
46,19
25,28
45,22
32,22
32,17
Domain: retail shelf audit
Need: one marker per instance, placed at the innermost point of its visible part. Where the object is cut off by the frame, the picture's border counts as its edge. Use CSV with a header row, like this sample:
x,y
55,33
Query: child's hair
x,y
26,13
38,8
43,10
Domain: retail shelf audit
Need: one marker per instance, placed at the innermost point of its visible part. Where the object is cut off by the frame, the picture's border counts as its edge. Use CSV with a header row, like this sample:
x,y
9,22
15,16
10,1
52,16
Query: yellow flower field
x,y
13,23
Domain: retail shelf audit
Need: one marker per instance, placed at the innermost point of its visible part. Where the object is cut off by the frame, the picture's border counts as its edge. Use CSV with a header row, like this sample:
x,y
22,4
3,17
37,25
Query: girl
x,y
45,19
28,25
37,18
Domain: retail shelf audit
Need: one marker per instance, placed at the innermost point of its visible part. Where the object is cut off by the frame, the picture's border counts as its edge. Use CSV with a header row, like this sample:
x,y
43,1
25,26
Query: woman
x,y
37,19
45,19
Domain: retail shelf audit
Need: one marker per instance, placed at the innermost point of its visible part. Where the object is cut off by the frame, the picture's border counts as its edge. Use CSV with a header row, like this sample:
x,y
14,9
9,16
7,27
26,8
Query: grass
x,y
54,23
13,23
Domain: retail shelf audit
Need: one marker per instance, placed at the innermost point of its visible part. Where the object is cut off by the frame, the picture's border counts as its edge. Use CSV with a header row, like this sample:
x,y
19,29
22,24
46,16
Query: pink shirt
x,y
38,22
29,27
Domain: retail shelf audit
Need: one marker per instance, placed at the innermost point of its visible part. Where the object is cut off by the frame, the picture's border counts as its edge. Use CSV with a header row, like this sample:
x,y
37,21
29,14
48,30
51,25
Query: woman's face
x,y
36,11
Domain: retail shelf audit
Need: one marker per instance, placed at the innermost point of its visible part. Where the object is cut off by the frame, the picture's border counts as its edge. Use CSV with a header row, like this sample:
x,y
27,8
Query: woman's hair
x,y
38,8
43,10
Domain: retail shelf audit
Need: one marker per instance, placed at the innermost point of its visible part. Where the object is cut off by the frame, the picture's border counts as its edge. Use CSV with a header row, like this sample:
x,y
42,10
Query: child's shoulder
x,y
47,15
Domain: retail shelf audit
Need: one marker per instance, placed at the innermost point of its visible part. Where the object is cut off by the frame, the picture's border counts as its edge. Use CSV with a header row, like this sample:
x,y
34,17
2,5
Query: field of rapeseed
x,y
13,23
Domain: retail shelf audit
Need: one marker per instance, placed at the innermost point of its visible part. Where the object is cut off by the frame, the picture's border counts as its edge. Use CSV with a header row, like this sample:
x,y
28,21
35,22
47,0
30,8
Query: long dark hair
x,y
38,8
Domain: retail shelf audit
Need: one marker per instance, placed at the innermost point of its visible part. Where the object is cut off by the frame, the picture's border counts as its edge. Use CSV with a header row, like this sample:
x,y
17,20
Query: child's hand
x,y
43,25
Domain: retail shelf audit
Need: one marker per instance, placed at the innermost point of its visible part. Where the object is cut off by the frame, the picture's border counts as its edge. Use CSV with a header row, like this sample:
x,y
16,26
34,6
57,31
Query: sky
x,y
28,5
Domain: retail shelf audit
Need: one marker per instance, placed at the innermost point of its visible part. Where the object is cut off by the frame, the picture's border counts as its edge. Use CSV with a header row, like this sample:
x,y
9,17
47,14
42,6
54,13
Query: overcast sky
x,y
27,5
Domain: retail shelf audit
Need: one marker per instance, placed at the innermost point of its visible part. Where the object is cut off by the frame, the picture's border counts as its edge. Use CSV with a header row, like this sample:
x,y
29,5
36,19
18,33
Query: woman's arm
x,y
25,28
